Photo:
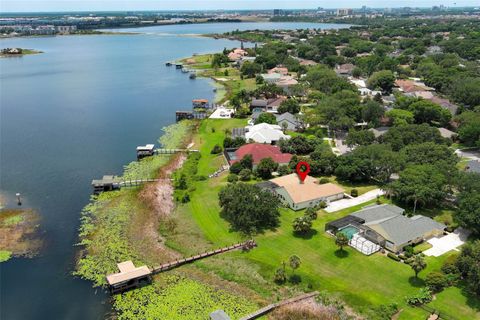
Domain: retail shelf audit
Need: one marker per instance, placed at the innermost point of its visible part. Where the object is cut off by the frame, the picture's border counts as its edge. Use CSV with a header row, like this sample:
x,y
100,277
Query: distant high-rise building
x,y
344,12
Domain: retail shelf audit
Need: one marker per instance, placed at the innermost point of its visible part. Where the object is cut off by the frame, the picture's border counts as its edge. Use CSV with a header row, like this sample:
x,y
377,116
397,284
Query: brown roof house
x,y
299,195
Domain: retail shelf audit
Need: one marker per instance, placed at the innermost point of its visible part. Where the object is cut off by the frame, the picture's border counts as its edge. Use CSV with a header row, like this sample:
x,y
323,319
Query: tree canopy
x,y
248,208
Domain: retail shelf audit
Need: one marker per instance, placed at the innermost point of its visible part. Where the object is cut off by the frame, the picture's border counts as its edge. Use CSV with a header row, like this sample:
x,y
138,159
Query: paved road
x,y
347,203
470,154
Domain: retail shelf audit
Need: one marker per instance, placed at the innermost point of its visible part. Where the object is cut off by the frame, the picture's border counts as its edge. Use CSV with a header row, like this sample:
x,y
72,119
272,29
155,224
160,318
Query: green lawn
x,y
360,280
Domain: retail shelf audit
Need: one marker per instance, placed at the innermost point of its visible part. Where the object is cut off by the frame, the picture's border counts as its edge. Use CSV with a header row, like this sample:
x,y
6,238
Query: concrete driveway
x,y
447,243
347,203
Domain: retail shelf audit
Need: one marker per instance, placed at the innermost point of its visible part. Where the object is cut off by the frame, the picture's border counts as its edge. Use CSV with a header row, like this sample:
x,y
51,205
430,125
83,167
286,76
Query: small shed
x,y
129,277
200,103
107,183
145,151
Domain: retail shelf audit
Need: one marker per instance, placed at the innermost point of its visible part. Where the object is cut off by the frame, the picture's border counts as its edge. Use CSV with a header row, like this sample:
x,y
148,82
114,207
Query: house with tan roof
x,y
300,195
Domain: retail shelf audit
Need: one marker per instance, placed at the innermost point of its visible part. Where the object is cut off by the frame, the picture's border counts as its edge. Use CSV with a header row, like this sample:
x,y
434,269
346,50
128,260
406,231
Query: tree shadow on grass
x,y
341,253
305,235
472,301
416,282
295,279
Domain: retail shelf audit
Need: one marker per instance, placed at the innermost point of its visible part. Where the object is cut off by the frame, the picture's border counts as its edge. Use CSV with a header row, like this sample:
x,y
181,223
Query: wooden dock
x,y
131,277
110,183
272,306
247,245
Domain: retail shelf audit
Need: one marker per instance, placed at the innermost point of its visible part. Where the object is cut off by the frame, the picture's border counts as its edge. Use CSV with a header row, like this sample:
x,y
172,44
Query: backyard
x,y
360,280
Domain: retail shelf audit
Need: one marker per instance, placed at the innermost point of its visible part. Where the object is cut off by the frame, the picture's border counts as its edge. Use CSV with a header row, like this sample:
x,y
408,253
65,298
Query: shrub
x,y
302,224
393,256
324,180
354,193
245,175
408,251
232,178
216,149
422,297
280,276
322,204
311,213
449,266
436,281
283,170
200,178
236,168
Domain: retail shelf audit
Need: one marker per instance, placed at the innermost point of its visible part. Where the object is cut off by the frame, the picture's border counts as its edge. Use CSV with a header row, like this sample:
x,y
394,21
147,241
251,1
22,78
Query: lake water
x,y
72,114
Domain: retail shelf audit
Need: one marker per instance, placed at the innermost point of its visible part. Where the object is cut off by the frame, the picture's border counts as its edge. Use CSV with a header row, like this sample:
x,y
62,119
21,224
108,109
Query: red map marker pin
x,y
303,169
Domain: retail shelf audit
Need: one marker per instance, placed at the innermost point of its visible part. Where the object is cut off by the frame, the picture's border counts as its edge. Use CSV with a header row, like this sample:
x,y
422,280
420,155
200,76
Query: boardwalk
x,y
272,306
170,265
172,151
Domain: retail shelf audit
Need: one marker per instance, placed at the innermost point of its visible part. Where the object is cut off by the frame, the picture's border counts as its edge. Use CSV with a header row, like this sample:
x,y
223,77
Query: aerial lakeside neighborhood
x,y
350,159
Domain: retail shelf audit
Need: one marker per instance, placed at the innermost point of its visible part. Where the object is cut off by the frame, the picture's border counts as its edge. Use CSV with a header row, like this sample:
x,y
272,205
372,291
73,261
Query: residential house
x,y
258,151
445,103
447,133
385,226
412,85
280,70
300,195
288,121
265,133
380,131
237,54
286,83
267,105
345,69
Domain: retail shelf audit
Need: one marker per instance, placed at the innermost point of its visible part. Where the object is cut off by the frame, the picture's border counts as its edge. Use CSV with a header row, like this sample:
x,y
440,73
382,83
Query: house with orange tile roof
x,y
258,151
300,195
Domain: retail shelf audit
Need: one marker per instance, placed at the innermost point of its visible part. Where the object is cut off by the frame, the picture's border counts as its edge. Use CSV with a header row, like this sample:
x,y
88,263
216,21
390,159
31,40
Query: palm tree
x,y
341,240
294,262
418,264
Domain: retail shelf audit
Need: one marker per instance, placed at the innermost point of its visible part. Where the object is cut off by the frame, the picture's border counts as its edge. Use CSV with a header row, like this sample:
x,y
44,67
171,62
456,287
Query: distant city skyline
x,y
107,5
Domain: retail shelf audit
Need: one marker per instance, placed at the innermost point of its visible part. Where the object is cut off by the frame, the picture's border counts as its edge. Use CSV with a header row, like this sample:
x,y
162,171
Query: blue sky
x,y
92,5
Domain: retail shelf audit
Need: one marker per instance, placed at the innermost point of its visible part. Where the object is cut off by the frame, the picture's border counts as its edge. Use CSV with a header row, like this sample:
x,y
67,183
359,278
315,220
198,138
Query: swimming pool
x,y
349,231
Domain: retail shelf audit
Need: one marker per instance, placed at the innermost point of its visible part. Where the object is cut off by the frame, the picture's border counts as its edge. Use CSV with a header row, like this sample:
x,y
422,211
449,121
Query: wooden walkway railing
x,y
272,306
173,151
134,183
170,265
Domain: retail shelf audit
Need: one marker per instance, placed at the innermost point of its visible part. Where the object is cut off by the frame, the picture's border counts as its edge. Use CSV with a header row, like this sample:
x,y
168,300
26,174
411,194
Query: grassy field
x,y
360,280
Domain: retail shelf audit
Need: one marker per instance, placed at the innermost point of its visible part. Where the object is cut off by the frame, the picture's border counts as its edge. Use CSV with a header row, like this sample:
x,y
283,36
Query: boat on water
x,y
179,65
193,76
168,64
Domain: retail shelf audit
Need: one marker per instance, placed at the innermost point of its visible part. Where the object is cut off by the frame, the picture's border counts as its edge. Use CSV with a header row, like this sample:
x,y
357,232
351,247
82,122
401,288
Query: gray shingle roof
x,y
389,221
377,213
401,229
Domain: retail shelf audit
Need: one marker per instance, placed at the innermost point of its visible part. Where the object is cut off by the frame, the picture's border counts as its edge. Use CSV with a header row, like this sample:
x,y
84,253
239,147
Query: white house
x,y
265,133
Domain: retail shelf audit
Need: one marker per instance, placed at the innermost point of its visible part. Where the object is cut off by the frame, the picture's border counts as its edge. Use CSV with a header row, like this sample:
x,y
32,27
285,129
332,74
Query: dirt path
x,y
159,204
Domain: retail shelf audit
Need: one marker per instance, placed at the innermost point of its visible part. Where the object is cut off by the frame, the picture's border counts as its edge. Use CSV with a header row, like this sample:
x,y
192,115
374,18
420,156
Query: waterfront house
x,y
265,133
300,195
258,151
385,226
